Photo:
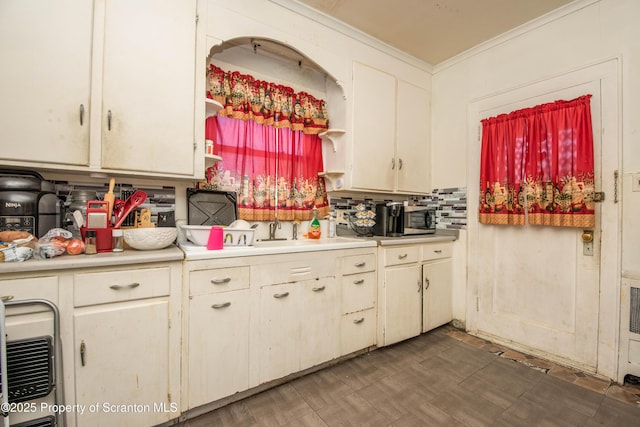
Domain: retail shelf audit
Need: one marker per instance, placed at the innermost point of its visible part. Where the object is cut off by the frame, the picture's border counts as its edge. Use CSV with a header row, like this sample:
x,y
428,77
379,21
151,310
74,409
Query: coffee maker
x,y
389,219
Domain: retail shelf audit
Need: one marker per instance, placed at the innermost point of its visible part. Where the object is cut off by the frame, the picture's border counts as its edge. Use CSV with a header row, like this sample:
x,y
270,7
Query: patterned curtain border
x,y
246,98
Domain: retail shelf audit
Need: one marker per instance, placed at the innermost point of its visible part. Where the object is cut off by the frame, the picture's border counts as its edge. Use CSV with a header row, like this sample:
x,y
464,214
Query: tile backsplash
x,y
451,207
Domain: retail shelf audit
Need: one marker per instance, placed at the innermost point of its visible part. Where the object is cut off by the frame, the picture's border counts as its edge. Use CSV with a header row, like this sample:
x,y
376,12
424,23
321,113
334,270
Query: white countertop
x,y
129,256
193,252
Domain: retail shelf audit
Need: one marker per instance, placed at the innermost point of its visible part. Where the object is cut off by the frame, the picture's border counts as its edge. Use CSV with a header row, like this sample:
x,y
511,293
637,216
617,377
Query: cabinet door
x,y
374,128
413,147
218,346
45,80
319,322
148,86
358,331
403,303
122,358
279,331
437,303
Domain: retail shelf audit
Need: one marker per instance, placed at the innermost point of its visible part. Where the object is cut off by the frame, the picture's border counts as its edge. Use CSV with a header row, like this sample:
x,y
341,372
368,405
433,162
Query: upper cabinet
x,y
391,125
104,86
45,81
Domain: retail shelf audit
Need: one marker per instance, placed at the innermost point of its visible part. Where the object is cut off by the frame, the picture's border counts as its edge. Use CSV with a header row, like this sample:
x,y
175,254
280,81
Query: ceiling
x,y
434,30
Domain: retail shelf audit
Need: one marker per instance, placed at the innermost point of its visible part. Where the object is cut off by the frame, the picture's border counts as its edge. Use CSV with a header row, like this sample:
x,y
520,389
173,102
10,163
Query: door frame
x,y
608,72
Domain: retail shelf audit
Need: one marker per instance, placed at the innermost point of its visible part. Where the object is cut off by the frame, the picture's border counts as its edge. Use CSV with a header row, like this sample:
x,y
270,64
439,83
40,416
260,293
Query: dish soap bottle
x,y
314,227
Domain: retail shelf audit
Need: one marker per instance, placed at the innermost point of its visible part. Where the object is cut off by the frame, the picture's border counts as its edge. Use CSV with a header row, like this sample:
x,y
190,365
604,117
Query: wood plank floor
x,y
441,378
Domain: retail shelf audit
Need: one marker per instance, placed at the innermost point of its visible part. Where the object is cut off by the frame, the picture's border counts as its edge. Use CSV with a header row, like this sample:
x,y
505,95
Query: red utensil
x,y
123,208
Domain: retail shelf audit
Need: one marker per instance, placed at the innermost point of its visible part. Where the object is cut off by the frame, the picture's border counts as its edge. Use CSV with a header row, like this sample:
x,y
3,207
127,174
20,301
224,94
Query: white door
x,y
535,287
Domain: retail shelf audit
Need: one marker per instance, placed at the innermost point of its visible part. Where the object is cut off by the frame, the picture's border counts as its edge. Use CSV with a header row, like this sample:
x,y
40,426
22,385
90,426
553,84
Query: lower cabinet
x,y
217,334
414,289
437,297
125,347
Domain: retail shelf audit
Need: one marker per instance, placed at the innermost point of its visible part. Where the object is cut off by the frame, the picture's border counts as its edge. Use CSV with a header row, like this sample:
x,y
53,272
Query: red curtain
x,y
252,153
539,162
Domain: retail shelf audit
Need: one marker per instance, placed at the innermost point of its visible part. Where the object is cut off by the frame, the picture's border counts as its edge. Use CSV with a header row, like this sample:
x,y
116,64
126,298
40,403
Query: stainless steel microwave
x,y
419,220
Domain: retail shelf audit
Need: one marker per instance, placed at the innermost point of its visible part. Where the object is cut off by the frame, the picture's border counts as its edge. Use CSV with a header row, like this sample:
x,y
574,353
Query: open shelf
x,y
210,160
212,107
330,134
333,178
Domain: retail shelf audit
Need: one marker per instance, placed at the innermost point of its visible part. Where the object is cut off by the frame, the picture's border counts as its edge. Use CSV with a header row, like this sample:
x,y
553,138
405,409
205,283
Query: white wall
x,y
583,33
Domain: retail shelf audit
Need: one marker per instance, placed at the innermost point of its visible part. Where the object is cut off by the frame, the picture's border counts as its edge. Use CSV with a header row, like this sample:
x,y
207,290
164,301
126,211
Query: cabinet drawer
x,y
358,292
357,331
121,285
218,280
436,251
401,255
294,271
358,263
29,288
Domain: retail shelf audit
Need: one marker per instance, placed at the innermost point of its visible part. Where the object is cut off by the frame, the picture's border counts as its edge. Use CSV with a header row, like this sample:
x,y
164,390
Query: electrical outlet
x,y
635,182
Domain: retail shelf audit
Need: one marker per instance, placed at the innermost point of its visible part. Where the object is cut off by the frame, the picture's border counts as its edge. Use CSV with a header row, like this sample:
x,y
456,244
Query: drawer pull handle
x,y
318,289
358,282
282,295
438,251
129,286
403,256
426,280
222,305
221,281
358,321
83,350
6,297
360,264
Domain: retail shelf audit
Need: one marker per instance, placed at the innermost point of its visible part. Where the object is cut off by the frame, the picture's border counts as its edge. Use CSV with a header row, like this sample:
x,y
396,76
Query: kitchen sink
x,y
300,242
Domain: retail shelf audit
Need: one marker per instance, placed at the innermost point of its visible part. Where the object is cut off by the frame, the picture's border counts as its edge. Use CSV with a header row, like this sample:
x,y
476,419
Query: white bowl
x,y
149,238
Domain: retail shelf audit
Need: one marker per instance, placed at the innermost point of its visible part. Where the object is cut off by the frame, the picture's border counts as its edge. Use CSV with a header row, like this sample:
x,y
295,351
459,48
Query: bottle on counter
x,y
314,227
90,242
332,225
117,240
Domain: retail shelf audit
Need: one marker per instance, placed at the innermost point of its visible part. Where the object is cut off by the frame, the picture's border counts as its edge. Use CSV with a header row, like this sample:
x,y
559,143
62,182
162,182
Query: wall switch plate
x,y
635,182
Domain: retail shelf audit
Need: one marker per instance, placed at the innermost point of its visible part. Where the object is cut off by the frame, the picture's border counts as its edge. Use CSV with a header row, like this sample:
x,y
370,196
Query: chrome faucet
x,y
272,228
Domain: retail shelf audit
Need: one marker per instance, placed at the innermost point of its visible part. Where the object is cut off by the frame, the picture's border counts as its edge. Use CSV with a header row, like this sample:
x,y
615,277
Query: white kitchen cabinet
x,y
359,297
45,81
437,304
279,349
390,133
403,303
437,297
148,79
104,86
218,334
125,335
319,318
374,114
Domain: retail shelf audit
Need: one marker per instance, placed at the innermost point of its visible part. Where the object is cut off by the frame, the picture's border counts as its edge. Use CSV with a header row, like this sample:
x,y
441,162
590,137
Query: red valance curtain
x,y
267,136
538,162
270,104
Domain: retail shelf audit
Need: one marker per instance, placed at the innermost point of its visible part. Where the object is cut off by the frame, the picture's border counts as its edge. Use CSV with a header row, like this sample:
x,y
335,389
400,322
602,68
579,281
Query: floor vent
x,y
634,314
29,368
49,421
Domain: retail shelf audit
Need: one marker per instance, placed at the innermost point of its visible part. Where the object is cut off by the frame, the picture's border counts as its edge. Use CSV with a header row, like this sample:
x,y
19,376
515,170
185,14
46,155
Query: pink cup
x,y
215,239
